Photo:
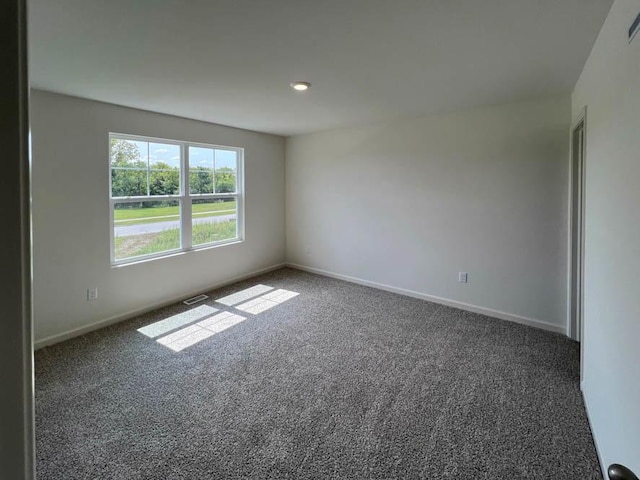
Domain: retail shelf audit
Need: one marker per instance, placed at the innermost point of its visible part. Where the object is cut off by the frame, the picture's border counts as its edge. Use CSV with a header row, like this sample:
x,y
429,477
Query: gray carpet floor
x,y
339,382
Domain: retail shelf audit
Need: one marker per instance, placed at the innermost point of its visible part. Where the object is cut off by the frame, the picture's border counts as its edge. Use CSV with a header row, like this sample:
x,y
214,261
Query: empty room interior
x,y
341,239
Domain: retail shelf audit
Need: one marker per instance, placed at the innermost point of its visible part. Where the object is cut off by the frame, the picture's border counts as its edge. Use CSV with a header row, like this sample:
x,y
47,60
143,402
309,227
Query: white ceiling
x,y
231,61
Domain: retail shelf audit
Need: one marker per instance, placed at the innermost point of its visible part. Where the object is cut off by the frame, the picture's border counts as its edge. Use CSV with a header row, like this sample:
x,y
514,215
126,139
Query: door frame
x,y
576,263
16,342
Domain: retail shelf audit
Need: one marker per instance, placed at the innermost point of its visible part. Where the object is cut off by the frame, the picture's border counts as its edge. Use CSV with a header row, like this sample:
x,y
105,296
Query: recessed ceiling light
x,y
300,86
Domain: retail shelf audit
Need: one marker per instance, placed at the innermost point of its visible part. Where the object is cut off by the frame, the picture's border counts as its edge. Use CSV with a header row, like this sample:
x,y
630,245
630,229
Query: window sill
x,y
173,253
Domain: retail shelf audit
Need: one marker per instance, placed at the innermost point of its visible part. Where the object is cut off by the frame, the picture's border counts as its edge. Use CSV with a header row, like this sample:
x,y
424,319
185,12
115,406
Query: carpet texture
x,y
338,382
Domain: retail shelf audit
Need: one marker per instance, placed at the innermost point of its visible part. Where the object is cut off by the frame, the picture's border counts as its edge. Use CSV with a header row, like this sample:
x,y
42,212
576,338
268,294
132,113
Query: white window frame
x,y
184,199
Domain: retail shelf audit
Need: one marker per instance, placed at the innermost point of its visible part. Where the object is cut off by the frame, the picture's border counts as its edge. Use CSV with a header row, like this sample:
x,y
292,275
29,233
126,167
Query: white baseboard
x,y
60,337
532,322
603,466
43,342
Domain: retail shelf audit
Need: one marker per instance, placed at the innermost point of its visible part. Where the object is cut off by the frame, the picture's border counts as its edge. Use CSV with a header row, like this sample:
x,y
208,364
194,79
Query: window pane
x,y
200,170
214,220
226,171
164,169
128,167
144,228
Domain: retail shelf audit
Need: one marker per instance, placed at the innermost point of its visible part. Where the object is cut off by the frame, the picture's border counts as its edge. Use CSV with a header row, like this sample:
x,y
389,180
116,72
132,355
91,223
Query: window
x,y
168,196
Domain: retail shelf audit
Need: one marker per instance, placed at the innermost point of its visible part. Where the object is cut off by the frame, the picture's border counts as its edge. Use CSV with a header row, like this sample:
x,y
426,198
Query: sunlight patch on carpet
x,y
188,336
176,321
244,295
267,301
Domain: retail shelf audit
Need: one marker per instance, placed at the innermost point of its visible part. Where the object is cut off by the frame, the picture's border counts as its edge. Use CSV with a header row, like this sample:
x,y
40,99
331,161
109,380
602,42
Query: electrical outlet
x,y
307,250
92,294
462,277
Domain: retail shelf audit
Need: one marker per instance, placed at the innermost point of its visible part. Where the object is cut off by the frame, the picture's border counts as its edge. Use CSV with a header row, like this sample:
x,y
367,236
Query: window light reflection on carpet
x,y
267,301
193,334
171,323
188,328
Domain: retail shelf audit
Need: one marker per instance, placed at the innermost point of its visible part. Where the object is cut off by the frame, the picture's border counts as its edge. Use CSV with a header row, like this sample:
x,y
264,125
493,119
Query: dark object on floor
x,y
339,382
620,472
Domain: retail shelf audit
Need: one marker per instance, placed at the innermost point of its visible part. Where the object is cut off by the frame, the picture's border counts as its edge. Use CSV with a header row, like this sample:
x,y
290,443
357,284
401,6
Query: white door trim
x,y
577,180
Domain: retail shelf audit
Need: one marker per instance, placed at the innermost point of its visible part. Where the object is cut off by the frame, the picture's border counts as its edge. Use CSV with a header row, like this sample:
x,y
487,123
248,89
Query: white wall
x,y
71,214
610,89
410,204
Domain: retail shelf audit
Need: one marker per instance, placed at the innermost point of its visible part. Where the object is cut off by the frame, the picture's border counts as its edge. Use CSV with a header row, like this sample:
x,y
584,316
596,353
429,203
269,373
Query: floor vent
x,y
196,299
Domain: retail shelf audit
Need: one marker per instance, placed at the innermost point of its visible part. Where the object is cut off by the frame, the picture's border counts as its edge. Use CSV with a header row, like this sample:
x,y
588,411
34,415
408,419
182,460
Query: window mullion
x,y
148,171
240,216
185,201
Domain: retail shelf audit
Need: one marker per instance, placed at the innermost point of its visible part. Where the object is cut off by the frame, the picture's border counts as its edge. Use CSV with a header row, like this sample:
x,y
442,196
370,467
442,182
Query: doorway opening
x,y
577,229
